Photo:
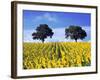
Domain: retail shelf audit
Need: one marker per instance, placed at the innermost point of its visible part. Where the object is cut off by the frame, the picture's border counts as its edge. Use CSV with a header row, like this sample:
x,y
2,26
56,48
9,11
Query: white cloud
x,y
46,16
28,36
49,17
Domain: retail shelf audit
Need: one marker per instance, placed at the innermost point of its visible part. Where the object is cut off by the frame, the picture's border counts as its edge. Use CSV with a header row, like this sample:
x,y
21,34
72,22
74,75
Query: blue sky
x,y
58,21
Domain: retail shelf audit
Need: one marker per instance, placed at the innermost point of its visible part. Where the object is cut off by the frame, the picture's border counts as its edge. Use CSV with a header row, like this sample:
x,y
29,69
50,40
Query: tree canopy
x,y
42,32
75,32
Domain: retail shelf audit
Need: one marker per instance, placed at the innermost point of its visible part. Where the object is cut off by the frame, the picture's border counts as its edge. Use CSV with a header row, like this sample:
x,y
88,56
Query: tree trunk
x,y
75,40
42,40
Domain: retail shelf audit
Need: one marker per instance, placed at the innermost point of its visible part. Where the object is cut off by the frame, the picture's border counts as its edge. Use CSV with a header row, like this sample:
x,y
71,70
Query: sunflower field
x,y
56,55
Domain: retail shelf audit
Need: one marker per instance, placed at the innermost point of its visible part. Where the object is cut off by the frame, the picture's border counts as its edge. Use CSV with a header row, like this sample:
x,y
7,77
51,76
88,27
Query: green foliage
x,y
75,32
42,32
